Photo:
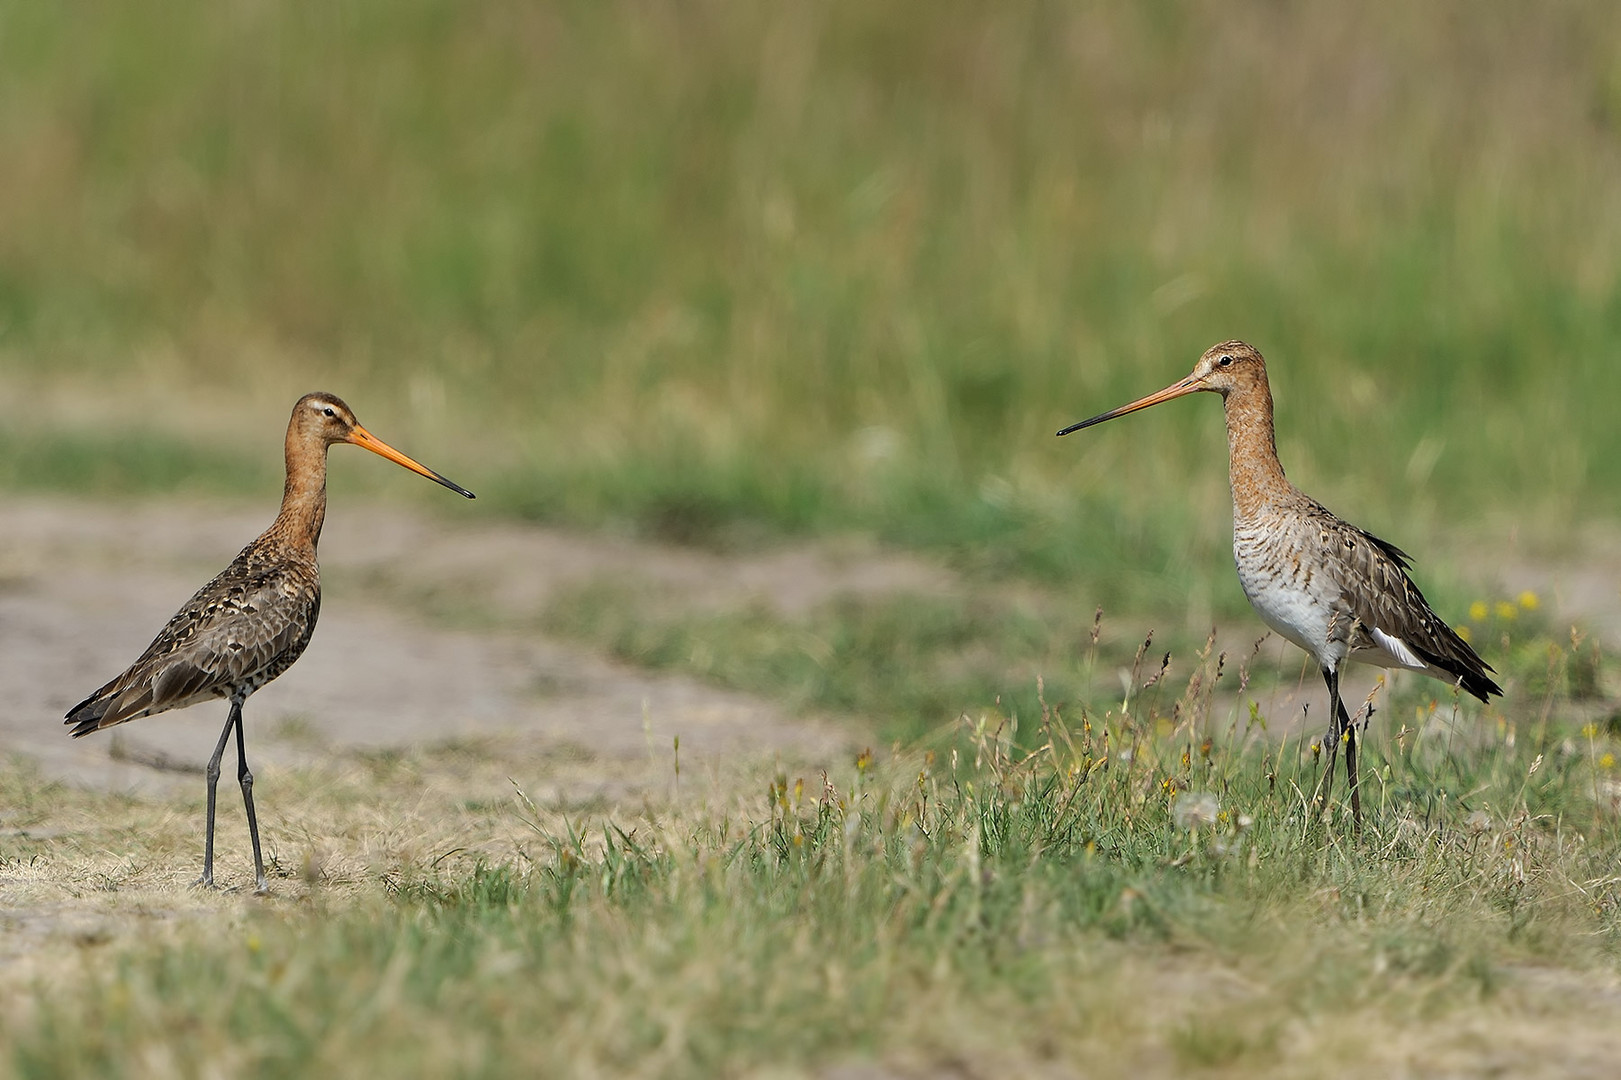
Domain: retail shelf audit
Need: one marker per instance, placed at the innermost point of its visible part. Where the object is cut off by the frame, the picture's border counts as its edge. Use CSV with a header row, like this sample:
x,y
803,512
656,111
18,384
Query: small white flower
x,y
1195,809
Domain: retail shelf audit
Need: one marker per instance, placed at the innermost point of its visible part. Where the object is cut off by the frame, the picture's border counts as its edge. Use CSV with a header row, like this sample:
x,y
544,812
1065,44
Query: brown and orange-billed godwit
x,y
250,623
1336,591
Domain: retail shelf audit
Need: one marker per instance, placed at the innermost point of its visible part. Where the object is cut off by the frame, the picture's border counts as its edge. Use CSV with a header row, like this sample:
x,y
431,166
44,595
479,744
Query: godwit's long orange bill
x,y
361,437
1175,390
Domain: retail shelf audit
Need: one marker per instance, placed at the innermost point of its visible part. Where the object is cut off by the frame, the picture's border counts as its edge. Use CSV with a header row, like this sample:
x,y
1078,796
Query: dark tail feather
x,y
86,715
1467,669
1479,683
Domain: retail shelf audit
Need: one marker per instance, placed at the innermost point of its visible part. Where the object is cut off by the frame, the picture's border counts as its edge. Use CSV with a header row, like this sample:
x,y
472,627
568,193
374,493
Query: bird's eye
x,y
1226,360
329,412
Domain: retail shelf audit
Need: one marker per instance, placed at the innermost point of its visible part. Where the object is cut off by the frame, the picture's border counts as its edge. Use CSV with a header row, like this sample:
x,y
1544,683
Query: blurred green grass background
x,y
719,272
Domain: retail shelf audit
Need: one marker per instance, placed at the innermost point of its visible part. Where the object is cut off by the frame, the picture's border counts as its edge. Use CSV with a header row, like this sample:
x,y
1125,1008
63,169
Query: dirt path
x,y
83,587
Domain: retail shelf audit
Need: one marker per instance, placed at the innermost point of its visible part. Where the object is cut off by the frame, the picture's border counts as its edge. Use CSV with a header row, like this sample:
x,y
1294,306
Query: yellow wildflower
x,y
1506,610
1462,631
1477,611
1529,600
1607,761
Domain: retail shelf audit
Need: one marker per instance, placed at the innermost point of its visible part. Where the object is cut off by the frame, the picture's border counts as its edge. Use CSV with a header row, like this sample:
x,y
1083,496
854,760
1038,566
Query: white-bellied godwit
x,y
250,623
1336,591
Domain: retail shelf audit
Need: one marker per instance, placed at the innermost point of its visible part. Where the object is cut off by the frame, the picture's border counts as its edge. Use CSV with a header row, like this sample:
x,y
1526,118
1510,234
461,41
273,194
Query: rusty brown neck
x,y
1254,471
303,500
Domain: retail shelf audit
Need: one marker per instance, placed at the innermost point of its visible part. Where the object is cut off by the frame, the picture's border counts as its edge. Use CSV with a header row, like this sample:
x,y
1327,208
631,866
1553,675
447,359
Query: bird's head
x,y
320,420
1223,369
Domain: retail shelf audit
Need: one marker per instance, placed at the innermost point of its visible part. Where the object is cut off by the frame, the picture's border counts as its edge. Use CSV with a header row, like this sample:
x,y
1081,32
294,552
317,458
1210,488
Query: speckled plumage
x,y
1341,593
1335,590
255,618
236,634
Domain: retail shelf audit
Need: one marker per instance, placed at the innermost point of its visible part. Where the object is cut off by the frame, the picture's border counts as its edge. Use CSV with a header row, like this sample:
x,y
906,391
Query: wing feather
x,y
236,633
1396,618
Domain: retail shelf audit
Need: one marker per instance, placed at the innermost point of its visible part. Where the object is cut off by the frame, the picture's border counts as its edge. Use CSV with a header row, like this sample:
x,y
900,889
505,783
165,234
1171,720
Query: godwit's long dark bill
x,y
361,437
1175,390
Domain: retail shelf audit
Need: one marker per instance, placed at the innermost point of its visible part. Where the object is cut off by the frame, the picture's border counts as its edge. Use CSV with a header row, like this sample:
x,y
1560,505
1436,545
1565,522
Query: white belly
x,y
1294,614
1290,597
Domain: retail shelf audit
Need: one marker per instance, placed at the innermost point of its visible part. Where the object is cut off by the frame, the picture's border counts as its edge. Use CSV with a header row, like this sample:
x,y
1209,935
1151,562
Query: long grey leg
x,y
245,778
1332,741
213,774
1350,752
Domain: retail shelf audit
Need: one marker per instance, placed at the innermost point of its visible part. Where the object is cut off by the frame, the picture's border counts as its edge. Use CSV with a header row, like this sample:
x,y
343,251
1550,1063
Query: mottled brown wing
x,y
1384,598
237,632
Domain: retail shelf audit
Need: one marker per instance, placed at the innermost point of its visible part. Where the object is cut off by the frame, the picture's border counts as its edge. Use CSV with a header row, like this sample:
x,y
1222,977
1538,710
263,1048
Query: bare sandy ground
x,y
84,587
